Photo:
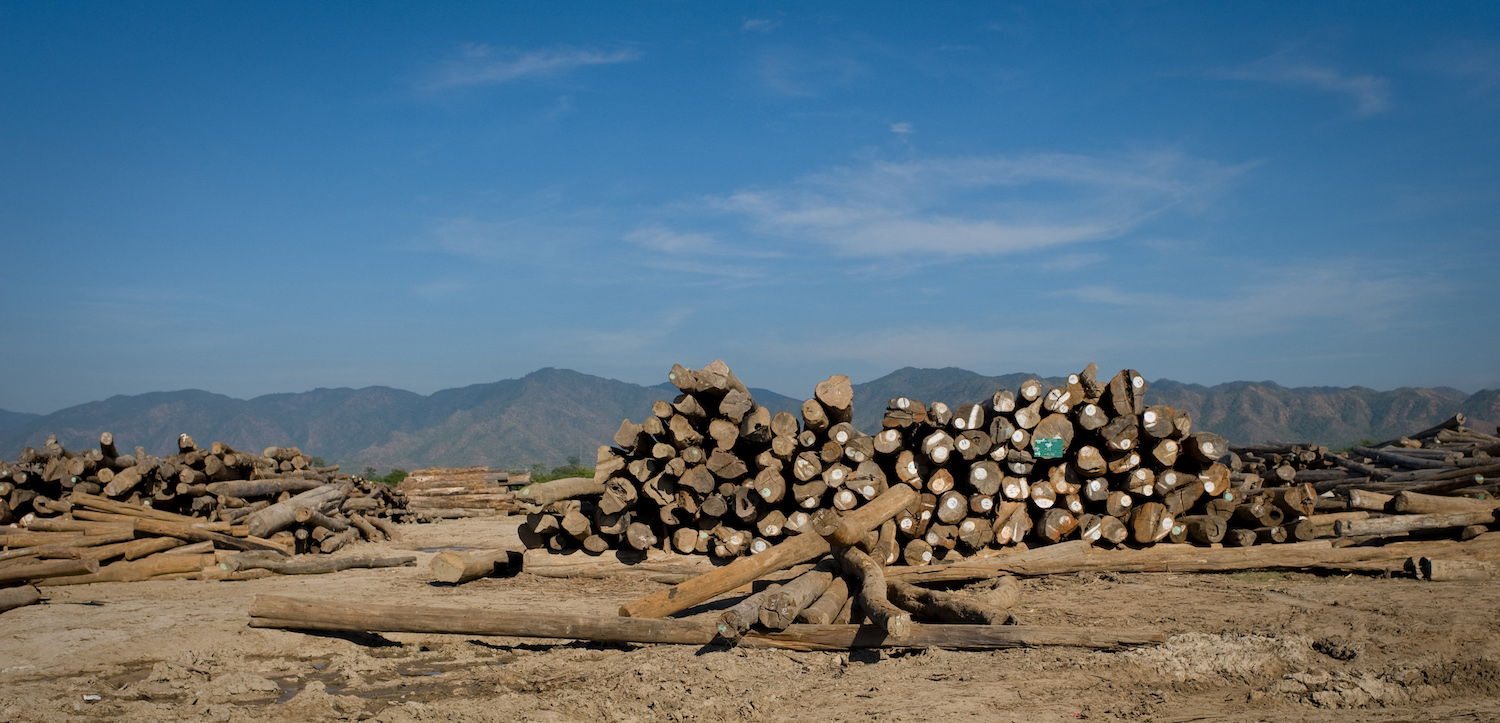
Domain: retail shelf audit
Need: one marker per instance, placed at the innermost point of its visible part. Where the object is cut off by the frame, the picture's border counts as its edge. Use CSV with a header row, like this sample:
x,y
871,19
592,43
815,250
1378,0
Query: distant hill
x,y
11,420
1244,412
551,415
544,418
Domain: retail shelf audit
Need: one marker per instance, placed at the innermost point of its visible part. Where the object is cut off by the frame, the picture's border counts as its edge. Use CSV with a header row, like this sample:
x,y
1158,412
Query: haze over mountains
x,y
552,415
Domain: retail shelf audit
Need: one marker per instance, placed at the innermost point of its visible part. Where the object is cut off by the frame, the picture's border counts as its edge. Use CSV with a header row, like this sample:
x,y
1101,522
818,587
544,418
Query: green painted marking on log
x,y
1047,447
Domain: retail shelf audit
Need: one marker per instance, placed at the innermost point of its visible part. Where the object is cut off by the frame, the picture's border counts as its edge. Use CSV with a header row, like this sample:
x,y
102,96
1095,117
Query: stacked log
x,y
444,492
712,472
140,513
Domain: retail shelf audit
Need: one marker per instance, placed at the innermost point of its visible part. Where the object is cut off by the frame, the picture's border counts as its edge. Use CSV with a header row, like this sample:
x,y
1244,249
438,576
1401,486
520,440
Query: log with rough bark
x,y
283,514
198,534
460,567
869,587
136,570
543,493
826,608
737,619
16,597
1078,556
989,608
781,608
26,571
1440,570
1404,524
1408,502
655,563
311,565
271,611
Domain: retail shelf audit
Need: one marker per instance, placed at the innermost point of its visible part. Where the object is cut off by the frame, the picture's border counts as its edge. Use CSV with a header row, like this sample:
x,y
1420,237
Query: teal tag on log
x,y
1047,447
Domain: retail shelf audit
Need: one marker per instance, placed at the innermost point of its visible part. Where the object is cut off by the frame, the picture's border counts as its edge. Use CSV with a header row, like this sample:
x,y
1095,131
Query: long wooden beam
x,y
275,611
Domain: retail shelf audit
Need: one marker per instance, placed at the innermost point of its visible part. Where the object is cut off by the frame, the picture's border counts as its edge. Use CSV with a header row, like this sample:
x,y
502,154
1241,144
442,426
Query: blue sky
x,y
266,197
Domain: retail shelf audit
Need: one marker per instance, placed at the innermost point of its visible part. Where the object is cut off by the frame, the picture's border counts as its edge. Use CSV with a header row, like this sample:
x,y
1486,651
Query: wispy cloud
x,y
663,239
1343,303
1328,294
480,64
972,206
760,25
1371,94
802,73
903,129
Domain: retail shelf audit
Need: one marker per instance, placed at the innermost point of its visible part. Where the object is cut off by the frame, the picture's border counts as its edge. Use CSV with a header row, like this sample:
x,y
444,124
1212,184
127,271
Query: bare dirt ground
x,y
1246,646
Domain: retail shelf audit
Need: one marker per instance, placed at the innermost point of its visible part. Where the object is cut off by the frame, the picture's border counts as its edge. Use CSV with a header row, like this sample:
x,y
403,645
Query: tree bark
x,y
18,597
781,608
544,493
870,591
991,608
271,611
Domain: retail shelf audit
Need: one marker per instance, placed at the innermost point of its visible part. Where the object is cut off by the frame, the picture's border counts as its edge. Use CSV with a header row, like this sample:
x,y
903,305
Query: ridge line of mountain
x,y
553,415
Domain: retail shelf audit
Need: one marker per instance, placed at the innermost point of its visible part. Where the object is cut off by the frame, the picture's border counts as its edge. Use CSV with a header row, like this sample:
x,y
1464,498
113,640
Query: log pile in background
x,y
444,492
185,515
713,472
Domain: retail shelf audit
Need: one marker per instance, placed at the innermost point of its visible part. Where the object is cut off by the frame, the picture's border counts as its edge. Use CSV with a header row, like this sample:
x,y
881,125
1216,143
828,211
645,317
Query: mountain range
x,y
552,416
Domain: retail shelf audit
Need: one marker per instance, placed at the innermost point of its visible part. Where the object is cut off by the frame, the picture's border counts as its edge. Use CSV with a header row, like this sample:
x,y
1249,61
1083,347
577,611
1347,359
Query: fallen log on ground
x,y
948,607
867,583
1079,556
157,565
615,562
22,572
311,565
275,611
15,597
460,567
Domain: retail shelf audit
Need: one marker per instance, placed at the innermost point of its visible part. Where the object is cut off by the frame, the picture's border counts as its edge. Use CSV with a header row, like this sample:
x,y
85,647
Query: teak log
x,y
198,534
782,607
583,565
22,572
1417,503
733,622
1437,570
274,611
461,567
18,597
951,637
312,565
300,613
263,487
283,514
1078,556
826,608
948,607
116,507
795,550
545,493
1402,524
137,570
869,586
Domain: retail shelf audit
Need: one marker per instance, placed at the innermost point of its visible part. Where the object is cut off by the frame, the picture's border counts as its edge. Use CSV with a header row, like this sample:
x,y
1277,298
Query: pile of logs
x,y
1446,458
443,492
98,515
713,472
